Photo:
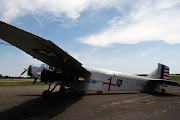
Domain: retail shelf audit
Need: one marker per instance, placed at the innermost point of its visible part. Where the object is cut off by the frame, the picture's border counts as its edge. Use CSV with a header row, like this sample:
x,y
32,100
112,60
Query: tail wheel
x,y
163,90
46,94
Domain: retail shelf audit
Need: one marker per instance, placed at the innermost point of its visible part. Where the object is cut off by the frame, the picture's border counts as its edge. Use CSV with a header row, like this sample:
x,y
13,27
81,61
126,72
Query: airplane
x,y
62,69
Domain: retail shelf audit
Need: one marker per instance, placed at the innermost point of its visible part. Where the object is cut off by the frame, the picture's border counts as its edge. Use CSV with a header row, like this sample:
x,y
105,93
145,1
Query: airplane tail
x,y
162,72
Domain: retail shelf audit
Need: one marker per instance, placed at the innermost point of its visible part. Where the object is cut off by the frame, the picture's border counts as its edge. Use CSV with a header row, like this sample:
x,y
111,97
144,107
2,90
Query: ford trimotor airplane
x,y
67,71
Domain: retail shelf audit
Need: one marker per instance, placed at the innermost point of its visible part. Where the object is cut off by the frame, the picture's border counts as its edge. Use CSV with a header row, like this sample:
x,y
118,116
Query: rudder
x,y
162,72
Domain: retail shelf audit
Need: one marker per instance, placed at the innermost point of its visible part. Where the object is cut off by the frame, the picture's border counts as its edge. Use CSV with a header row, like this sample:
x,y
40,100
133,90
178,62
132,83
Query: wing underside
x,y
41,49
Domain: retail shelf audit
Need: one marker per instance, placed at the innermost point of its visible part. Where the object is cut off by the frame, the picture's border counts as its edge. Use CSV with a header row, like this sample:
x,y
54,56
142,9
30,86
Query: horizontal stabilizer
x,y
166,82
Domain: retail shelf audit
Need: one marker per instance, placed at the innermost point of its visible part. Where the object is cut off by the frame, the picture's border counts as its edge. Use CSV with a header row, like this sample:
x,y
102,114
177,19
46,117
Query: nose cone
x,y
30,71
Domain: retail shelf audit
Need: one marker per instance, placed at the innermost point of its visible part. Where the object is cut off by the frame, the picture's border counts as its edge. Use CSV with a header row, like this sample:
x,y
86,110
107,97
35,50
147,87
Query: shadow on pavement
x,y
112,93
42,109
160,94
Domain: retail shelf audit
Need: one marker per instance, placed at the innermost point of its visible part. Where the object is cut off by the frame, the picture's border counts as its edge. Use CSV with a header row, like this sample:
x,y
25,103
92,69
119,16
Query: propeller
x,y
24,71
35,79
29,72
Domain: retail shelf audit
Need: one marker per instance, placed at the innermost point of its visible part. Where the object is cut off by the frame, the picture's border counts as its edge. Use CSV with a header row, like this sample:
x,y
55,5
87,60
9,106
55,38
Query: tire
x,y
163,90
62,89
46,94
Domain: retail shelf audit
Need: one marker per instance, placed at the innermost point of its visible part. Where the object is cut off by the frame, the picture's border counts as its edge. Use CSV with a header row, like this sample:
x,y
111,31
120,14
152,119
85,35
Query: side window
x,y
47,67
42,65
51,68
81,79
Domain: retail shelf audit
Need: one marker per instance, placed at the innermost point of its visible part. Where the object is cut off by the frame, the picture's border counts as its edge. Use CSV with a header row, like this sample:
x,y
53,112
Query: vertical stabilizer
x,y
162,72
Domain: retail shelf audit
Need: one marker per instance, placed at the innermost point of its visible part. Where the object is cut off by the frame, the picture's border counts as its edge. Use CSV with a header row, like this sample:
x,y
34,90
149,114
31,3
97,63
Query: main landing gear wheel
x,y
46,94
163,90
62,89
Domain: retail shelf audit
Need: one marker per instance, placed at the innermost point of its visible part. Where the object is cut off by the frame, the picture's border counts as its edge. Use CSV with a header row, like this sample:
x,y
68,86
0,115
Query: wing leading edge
x,y
41,49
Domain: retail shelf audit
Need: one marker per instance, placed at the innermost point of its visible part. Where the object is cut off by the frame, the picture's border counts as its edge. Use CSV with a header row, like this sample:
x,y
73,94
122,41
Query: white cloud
x,y
12,9
148,20
149,51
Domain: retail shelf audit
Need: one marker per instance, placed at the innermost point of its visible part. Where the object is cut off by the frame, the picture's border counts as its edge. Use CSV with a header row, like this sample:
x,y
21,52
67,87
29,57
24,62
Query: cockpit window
x,y
47,67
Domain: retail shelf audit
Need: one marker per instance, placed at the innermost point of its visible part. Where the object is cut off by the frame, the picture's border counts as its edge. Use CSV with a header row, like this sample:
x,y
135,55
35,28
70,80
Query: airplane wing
x,y
44,50
166,82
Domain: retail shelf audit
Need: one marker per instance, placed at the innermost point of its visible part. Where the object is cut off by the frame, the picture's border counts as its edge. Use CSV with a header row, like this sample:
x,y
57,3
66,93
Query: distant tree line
x,y
142,74
147,74
10,77
1,76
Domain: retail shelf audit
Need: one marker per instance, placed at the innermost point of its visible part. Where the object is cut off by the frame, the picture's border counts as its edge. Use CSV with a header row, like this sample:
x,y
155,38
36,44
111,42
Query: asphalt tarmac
x,y
25,102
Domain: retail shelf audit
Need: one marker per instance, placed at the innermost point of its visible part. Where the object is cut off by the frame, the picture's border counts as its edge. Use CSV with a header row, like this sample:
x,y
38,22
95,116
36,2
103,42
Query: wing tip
x,y
1,22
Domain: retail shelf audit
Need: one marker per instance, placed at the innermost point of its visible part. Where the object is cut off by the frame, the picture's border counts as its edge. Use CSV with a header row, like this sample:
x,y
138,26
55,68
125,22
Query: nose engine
x,y
49,75
44,74
33,72
28,71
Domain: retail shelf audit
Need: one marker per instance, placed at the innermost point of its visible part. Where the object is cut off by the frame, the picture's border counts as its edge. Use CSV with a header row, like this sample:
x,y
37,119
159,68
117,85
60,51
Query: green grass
x,y
174,77
25,80
21,83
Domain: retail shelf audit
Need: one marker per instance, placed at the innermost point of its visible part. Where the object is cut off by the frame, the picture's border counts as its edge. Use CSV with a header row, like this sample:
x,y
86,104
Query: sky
x,y
130,36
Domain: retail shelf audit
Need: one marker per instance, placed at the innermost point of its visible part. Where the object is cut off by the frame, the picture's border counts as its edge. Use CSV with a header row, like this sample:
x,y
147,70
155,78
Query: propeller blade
x,y
23,71
35,79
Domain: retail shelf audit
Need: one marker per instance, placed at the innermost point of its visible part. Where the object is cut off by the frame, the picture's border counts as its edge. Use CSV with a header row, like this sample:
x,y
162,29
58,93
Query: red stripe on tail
x,y
166,68
166,75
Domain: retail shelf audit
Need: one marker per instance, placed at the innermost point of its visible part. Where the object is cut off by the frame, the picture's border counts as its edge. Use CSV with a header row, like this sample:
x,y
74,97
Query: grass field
x,y
174,77
29,82
19,82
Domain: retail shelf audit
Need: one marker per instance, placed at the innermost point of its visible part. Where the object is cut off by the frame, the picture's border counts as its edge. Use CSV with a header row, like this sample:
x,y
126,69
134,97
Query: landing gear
x,y
46,94
62,89
163,90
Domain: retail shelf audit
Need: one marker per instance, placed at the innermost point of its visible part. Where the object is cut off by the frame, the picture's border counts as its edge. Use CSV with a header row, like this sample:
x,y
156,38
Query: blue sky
x,y
130,36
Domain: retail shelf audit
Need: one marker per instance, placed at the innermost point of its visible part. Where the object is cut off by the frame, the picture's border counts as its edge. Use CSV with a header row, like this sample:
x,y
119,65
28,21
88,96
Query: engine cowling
x,y
50,76
29,73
